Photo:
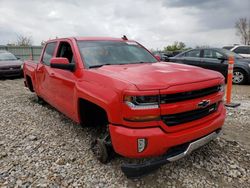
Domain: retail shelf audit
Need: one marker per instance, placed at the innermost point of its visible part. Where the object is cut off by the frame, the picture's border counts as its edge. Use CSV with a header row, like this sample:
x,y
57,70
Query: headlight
x,y
22,66
142,102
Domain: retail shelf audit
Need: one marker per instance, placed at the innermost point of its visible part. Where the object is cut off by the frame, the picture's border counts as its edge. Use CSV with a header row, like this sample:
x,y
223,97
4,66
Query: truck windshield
x,y
99,53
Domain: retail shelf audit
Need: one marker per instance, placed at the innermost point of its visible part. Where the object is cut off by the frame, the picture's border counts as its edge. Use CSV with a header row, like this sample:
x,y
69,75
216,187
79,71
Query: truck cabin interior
x,y
65,51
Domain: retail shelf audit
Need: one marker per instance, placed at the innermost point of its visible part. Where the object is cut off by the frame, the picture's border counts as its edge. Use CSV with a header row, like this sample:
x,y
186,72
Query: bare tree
x,y
43,42
249,32
24,40
243,30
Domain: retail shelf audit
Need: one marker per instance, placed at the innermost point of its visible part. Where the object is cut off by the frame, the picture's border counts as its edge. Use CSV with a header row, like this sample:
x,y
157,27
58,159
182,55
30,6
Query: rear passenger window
x,y
48,53
242,50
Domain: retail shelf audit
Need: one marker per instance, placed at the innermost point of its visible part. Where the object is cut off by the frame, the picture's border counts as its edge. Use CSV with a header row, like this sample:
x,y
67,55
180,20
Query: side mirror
x,y
158,57
61,63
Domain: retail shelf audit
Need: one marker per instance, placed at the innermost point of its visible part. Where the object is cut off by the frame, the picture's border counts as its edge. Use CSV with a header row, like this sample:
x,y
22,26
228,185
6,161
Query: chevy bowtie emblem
x,y
203,104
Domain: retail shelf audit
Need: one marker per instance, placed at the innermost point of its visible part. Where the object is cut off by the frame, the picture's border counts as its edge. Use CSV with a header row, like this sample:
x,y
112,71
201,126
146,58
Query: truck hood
x,y
150,76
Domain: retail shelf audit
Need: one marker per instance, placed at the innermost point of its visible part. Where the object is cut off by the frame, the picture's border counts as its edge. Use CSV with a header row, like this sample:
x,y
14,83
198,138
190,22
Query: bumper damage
x,y
138,170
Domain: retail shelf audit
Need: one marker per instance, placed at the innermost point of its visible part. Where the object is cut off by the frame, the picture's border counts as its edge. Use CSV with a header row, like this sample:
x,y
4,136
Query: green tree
x,y
177,46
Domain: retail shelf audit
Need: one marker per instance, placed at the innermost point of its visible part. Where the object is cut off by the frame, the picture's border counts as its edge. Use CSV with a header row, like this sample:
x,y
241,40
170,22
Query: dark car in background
x,y
216,59
10,65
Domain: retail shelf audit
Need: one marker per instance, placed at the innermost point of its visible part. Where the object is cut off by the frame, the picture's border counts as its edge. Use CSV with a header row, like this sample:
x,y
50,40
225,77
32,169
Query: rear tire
x,y
239,77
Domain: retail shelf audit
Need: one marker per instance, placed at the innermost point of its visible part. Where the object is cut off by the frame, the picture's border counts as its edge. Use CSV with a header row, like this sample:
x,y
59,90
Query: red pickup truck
x,y
144,108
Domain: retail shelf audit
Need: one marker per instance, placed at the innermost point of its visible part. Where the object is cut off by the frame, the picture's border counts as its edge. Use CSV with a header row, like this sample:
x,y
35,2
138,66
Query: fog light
x,y
141,144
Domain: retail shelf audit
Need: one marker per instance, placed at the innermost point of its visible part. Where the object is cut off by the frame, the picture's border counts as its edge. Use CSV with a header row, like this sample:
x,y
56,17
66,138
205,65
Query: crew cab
x,y
143,107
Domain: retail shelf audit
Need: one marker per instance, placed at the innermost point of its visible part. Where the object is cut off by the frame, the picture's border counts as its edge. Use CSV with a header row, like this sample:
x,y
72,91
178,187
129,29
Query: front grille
x,y
170,98
184,117
10,68
19,67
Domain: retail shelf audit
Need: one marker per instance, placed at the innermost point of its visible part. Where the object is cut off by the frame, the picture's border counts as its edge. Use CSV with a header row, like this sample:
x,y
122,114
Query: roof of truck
x,y
91,38
99,38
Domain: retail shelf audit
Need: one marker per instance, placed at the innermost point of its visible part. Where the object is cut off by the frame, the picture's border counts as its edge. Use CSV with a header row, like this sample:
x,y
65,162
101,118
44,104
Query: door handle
x,y
52,74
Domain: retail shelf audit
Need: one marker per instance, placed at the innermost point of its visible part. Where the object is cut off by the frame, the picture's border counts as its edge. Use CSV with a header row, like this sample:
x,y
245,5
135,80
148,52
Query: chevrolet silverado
x,y
144,107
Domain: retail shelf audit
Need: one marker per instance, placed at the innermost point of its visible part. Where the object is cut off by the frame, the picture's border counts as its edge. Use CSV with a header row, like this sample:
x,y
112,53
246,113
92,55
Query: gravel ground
x,y
40,147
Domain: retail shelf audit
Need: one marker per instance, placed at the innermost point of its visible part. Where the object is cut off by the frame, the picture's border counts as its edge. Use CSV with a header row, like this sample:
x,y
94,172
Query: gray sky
x,y
154,23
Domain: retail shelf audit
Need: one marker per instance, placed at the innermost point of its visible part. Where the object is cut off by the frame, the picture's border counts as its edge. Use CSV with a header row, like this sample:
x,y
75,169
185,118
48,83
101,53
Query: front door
x,y
213,60
63,82
192,57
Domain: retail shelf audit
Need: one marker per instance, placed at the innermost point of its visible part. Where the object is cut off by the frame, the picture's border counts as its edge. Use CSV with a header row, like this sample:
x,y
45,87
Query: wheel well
x,y
29,83
92,114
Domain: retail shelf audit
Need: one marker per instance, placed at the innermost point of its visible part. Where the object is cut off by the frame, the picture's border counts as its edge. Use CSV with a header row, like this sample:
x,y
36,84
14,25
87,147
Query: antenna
x,y
124,37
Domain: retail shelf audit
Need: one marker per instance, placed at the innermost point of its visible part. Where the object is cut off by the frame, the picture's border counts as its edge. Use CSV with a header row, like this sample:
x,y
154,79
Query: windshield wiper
x,y
97,66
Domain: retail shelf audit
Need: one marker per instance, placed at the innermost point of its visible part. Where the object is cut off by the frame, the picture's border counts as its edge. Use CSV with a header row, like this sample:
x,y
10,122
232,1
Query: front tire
x,y
100,151
102,148
239,77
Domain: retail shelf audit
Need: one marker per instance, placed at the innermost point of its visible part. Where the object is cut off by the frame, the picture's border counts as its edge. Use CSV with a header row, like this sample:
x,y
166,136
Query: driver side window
x,y
213,54
65,50
219,55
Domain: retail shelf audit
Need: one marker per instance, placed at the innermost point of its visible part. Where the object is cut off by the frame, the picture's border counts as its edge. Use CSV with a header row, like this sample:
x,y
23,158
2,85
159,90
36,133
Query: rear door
x,y
43,73
213,60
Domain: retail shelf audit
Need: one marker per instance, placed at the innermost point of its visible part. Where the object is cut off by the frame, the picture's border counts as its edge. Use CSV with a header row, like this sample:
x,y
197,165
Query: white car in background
x,y
243,50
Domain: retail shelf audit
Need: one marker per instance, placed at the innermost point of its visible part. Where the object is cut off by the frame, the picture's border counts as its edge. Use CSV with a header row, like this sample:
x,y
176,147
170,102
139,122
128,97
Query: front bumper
x,y
159,141
11,73
137,170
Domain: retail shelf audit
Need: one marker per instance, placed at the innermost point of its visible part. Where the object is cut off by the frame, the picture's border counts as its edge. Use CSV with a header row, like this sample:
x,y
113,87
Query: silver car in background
x,y
10,65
